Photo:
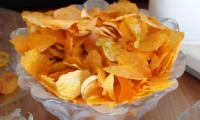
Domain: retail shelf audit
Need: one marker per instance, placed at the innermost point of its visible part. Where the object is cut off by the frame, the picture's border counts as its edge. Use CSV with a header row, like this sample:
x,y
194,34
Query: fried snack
x,y
112,56
4,59
8,83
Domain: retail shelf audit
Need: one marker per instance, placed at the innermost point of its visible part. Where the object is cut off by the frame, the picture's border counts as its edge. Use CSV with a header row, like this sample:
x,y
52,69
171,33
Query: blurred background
x,y
38,4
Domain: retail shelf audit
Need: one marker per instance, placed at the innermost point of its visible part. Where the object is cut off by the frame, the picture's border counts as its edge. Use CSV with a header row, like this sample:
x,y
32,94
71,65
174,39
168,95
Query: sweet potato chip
x,y
108,86
136,58
138,28
20,43
35,63
93,63
49,83
40,42
4,59
96,100
122,8
153,41
56,53
8,83
57,74
58,34
131,71
101,76
126,91
39,19
68,85
68,13
155,62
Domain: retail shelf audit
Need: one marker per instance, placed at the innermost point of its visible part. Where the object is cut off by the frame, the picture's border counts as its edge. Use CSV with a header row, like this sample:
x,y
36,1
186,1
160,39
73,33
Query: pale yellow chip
x,y
110,49
68,85
90,87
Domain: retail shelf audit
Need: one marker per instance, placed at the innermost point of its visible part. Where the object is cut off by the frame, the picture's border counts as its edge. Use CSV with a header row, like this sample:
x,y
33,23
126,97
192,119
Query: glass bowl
x,y
71,111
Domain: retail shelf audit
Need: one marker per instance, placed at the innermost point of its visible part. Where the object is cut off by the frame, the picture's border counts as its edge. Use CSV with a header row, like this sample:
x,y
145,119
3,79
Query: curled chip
x,y
90,87
94,56
68,85
4,59
8,83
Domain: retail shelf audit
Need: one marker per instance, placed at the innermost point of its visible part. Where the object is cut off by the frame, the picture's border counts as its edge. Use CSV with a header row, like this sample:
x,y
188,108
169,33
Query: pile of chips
x,y
98,56
8,80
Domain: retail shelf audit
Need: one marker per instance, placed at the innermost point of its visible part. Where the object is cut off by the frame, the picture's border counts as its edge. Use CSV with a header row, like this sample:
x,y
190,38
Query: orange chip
x,y
68,43
138,28
136,58
108,86
56,53
122,8
93,63
4,59
8,83
20,43
35,63
68,13
101,76
96,100
131,71
49,83
126,91
155,62
40,42
153,41
58,34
